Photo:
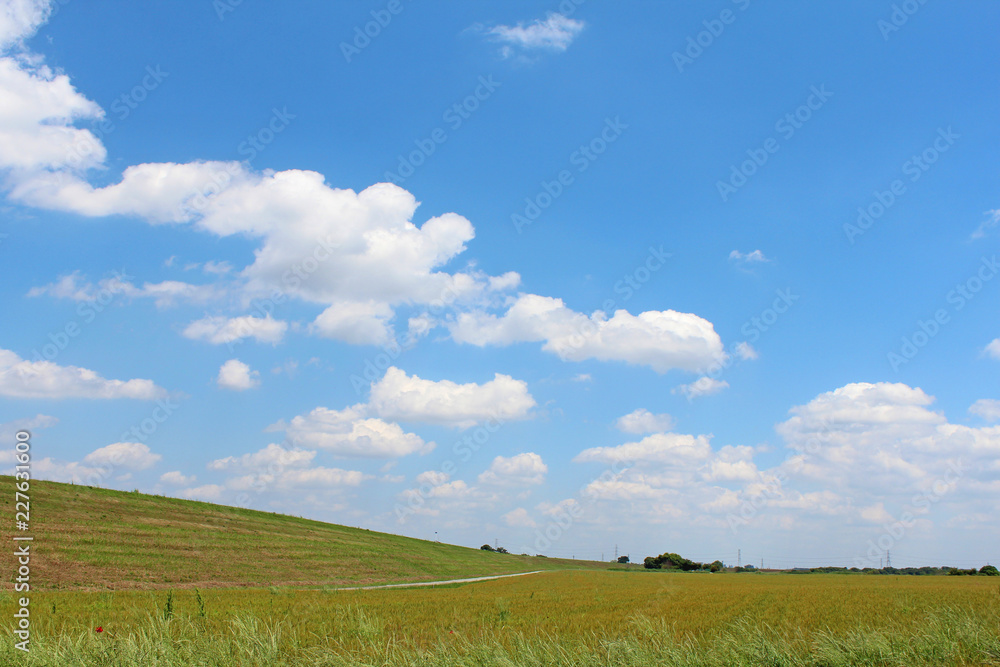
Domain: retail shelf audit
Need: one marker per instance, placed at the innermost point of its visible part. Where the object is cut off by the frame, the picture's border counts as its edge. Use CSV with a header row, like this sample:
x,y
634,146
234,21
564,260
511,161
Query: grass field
x,y
569,617
584,616
95,538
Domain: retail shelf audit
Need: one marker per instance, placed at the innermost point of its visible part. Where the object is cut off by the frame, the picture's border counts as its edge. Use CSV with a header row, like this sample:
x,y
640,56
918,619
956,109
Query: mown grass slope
x,y
92,538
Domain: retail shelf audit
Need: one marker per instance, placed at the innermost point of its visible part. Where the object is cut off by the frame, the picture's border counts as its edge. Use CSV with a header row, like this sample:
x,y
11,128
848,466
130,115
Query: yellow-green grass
x,y
92,538
568,617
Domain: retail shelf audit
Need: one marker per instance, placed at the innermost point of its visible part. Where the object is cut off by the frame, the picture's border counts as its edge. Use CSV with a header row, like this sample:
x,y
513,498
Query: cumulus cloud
x,y
9,429
987,408
553,33
177,478
745,351
128,455
37,119
666,448
236,375
398,396
519,518
872,437
19,19
993,349
20,378
520,470
643,421
357,255
703,386
221,330
749,257
269,458
350,433
207,492
662,340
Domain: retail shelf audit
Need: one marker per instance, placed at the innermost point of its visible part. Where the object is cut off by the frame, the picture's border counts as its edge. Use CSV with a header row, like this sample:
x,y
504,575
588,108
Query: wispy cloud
x,y
553,33
987,225
749,257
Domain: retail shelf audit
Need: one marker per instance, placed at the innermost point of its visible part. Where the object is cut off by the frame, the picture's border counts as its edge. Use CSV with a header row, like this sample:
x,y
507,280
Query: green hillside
x,y
92,538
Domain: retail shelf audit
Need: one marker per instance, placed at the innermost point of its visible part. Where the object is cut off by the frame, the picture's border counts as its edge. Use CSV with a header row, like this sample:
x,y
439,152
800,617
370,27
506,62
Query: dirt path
x,y
438,583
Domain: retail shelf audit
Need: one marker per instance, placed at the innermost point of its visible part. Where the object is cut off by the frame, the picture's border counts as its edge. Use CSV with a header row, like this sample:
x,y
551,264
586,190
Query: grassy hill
x,y
92,538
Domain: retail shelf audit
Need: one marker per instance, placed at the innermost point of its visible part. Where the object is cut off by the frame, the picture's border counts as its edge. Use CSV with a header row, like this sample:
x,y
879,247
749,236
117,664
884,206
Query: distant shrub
x,y
486,547
623,559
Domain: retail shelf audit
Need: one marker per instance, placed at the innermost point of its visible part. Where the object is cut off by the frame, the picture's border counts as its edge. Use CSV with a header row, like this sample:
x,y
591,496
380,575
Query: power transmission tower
x,y
739,558
888,560
616,552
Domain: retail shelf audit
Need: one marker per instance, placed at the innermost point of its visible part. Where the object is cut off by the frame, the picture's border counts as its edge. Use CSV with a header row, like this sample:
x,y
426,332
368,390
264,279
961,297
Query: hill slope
x,y
92,538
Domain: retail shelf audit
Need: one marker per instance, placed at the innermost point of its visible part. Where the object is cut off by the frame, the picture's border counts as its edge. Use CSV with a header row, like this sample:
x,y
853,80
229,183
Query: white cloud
x,y
9,429
745,351
269,458
236,375
662,340
662,448
433,477
643,421
519,518
19,19
872,438
217,268
356,322
993,349
555,33
358,255
220,330
520,470
164,294
703,386
177,478
208,493
44,379
749,257
398,396
128,455
987,225
37,117
349,433
321,477
987,408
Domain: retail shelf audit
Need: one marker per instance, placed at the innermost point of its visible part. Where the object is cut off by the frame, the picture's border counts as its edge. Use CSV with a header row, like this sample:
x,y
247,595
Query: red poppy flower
x,y
100,628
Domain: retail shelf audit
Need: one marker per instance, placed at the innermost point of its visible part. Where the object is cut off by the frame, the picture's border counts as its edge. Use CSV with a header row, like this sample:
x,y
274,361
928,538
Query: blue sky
x,y
696,278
